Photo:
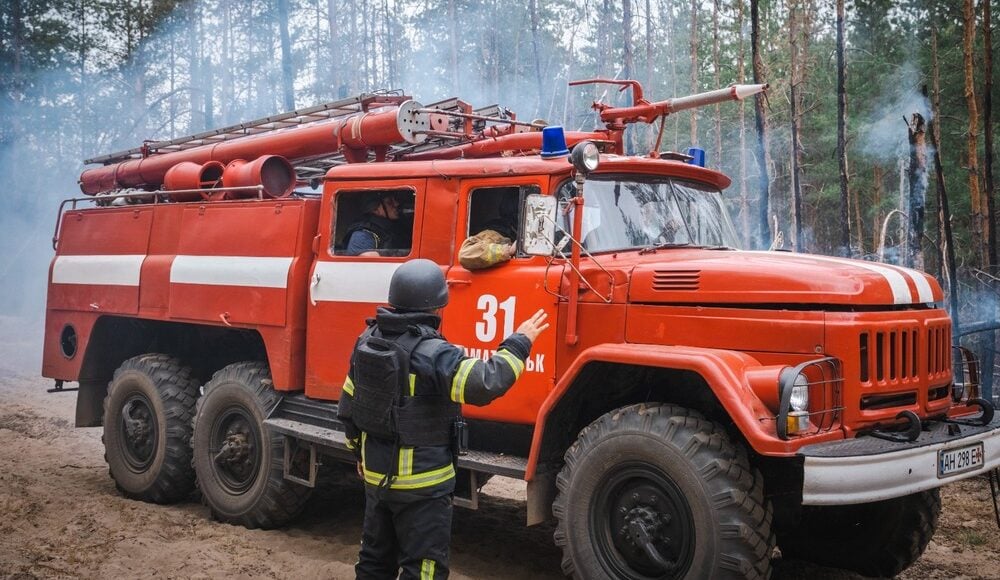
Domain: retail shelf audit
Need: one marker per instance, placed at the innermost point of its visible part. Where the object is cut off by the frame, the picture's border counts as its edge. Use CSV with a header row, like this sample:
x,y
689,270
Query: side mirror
x,y
539,225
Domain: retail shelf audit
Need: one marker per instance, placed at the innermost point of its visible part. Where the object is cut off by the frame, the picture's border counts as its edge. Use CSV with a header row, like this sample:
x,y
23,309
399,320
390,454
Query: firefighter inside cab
x,y
380,231
401,408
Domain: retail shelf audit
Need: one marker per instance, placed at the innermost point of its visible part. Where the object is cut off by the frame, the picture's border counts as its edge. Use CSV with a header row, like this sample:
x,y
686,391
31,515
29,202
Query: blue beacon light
x,y
553,142
697,156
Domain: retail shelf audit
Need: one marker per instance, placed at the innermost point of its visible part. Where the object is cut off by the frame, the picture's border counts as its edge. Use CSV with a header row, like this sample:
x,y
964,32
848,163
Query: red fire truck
x,y
694,405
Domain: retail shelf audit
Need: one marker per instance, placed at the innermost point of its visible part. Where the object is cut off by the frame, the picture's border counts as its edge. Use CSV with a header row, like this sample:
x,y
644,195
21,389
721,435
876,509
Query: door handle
x,y
312,288
457,282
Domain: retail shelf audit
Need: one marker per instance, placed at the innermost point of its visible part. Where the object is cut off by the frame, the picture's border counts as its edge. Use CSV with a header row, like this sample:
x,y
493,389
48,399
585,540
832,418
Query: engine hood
x,y
738,277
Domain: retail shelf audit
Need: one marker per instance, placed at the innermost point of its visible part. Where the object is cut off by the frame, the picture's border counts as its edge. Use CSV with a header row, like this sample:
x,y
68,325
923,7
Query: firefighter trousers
x,y
413,534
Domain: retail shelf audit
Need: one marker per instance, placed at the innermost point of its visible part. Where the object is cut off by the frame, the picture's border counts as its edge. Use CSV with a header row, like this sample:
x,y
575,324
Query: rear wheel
x,y
657,491
147,428
873,539
238,460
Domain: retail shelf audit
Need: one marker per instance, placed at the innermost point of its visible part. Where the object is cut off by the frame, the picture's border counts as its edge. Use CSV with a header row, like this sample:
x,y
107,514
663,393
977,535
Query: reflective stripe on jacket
x,y
443,371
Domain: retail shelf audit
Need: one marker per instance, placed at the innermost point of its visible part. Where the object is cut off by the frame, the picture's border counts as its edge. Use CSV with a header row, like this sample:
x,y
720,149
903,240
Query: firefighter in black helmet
x,y
401,406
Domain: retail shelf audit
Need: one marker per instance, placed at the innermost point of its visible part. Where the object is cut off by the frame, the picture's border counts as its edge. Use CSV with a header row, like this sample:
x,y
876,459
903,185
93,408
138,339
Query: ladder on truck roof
x,y
465,122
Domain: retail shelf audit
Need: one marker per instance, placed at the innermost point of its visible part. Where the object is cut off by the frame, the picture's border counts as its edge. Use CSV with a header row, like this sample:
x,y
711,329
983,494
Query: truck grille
x,y
892,354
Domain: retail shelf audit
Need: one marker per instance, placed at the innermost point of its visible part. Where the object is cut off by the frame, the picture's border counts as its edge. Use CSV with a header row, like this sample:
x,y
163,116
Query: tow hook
x,y
639,534
982,420
911,432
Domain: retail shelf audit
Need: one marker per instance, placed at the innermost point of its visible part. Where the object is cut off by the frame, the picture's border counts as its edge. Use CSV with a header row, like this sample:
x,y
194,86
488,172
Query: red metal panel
x,y
99,233
109,230
252,230
782,331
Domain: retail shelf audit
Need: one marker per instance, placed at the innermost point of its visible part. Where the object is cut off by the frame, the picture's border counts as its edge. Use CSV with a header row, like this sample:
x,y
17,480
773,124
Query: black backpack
x,y
381,375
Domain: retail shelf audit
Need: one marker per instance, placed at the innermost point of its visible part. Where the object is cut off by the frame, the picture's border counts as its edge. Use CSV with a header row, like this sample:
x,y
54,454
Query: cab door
x,y
345,290
485,306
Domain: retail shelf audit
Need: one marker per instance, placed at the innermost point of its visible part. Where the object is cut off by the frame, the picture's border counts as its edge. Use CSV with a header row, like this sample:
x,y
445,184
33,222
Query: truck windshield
x,y
626,212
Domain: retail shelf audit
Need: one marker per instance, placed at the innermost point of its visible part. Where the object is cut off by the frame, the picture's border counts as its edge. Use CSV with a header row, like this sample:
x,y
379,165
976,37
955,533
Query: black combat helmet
x,y
418,285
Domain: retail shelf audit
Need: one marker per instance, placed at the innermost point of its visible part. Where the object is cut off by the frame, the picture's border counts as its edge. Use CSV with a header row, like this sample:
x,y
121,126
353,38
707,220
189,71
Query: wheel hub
x,y
137,431
236,449
648,530
642,524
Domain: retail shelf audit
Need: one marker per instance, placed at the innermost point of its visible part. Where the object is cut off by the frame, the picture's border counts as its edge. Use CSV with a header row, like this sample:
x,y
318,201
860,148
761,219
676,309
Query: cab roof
x,y
528,165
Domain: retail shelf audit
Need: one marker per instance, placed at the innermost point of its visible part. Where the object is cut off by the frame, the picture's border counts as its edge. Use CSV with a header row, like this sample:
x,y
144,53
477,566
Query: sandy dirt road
x,y
60,516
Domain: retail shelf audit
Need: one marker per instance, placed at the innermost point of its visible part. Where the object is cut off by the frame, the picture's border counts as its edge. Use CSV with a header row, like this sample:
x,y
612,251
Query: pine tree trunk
x,y
227,63
944,213
355,55
287,76
334,50
717,76
648,81
796,124
741,78
207,77
845,196
989,191
694,69
763,155
667,8
878,182
978,206
453,45
628,63
533,14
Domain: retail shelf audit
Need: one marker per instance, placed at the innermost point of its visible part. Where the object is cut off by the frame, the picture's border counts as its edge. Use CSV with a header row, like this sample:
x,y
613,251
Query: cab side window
x,y
497,209
373,223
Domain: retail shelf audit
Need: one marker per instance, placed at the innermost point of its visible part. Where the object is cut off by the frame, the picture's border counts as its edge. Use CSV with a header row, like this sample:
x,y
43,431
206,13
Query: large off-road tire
x,y
878,539
147,428
667,473
237,459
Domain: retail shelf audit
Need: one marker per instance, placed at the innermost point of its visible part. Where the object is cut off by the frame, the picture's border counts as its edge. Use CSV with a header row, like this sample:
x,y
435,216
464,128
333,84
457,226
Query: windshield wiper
x,y
668,245
664,246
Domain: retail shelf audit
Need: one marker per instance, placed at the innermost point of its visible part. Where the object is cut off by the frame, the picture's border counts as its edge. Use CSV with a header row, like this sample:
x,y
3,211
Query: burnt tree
x,y
917,174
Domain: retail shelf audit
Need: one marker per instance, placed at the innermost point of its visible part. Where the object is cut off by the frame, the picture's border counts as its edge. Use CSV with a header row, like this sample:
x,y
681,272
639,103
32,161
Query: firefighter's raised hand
x,y
534,326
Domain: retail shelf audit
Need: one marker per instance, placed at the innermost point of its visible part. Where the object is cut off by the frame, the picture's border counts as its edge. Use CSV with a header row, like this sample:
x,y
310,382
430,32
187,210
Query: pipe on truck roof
x,y
353,135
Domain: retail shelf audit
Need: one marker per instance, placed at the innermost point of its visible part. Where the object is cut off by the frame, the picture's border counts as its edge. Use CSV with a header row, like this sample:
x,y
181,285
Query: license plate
x,y
960,460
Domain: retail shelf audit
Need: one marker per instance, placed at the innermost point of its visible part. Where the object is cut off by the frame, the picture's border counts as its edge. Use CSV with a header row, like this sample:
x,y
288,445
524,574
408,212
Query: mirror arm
x,y
574,275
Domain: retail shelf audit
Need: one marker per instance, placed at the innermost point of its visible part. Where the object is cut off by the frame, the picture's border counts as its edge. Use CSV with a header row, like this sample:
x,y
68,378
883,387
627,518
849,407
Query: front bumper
x,y
867,469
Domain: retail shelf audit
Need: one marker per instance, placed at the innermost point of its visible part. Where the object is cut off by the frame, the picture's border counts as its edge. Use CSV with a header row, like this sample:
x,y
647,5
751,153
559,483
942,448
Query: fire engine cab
x,y
693,406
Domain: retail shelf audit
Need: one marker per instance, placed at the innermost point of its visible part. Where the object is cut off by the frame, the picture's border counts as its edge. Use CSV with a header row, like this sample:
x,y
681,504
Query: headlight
x,y
800,394
585,156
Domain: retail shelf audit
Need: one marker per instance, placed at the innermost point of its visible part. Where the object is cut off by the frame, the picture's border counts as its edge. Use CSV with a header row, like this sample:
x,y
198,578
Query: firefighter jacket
x,y
483,250
437,368
373,232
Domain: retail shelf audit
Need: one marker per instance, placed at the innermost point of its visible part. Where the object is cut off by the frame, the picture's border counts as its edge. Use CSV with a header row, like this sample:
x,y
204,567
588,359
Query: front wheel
x,y
237,459
657,491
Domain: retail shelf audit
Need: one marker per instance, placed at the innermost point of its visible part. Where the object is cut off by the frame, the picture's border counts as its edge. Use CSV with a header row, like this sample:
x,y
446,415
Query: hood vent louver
x,y
673,280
